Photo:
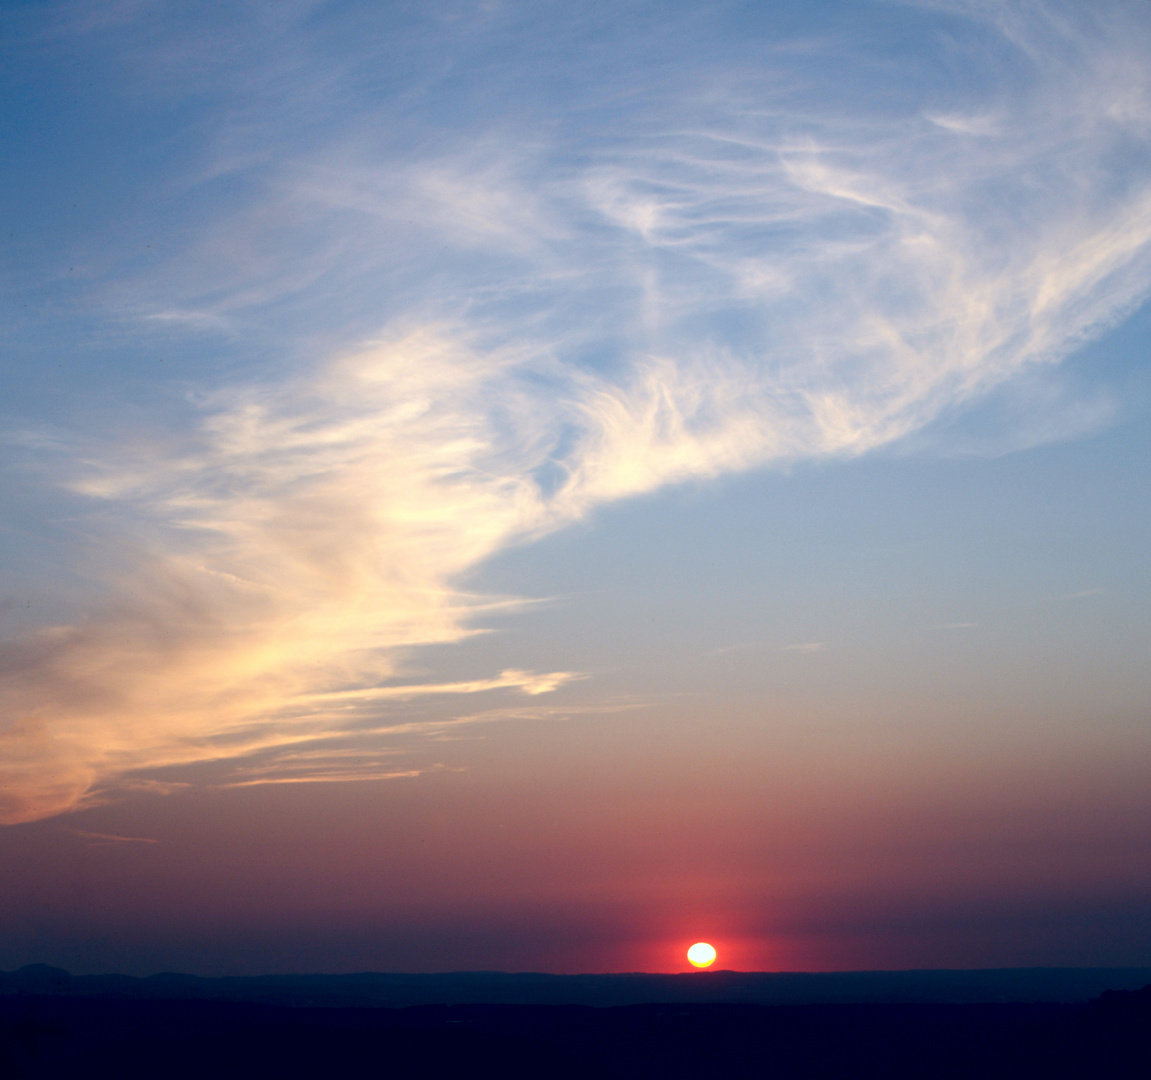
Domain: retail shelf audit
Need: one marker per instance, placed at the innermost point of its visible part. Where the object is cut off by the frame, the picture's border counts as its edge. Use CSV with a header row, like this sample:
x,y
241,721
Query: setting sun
x,y
701,954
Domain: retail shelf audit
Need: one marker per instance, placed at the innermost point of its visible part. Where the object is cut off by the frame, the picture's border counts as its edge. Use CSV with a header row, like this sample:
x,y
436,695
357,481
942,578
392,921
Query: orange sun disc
x,y
701,954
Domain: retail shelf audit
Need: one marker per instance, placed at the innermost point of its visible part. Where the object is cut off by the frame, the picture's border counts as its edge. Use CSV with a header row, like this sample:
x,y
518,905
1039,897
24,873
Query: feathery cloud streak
x,y
722,272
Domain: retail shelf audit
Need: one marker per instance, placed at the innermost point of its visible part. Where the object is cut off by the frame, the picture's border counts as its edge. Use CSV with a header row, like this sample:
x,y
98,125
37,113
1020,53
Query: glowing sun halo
x,y
701,954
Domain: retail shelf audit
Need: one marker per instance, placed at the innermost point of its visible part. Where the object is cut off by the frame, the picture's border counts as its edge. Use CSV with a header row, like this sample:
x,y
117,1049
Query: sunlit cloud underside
x,y
718,280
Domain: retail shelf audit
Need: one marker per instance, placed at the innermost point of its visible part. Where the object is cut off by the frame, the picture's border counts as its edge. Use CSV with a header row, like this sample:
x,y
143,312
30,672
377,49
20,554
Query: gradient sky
x,y
532,485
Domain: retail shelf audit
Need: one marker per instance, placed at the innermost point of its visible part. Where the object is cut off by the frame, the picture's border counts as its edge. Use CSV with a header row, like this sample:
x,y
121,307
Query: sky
x,y
530,486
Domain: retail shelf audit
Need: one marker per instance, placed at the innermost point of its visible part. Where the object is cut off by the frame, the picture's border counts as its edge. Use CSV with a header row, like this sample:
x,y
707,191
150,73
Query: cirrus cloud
x,y
700,282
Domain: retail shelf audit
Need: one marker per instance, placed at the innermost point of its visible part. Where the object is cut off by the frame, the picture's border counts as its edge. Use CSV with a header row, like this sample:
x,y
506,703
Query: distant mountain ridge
x,y
378,989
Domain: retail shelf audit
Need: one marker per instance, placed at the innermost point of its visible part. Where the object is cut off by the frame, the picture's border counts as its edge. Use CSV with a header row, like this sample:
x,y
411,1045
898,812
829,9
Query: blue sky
x,y
761,384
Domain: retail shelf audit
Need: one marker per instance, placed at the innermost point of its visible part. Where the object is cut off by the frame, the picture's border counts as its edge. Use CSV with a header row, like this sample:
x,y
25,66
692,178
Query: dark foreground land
x,y
63,1035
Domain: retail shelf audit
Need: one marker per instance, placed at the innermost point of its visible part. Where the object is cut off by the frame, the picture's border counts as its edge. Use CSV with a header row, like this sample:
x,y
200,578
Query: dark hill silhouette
x,y
53,1025
1054,985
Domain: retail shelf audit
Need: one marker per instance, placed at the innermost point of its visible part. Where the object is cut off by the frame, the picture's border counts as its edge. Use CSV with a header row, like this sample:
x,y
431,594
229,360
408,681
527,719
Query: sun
x,y
701,954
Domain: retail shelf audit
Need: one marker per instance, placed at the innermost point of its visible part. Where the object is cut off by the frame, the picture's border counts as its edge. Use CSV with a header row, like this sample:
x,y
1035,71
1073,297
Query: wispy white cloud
x,y
97,839
581,307
288,554
967,125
